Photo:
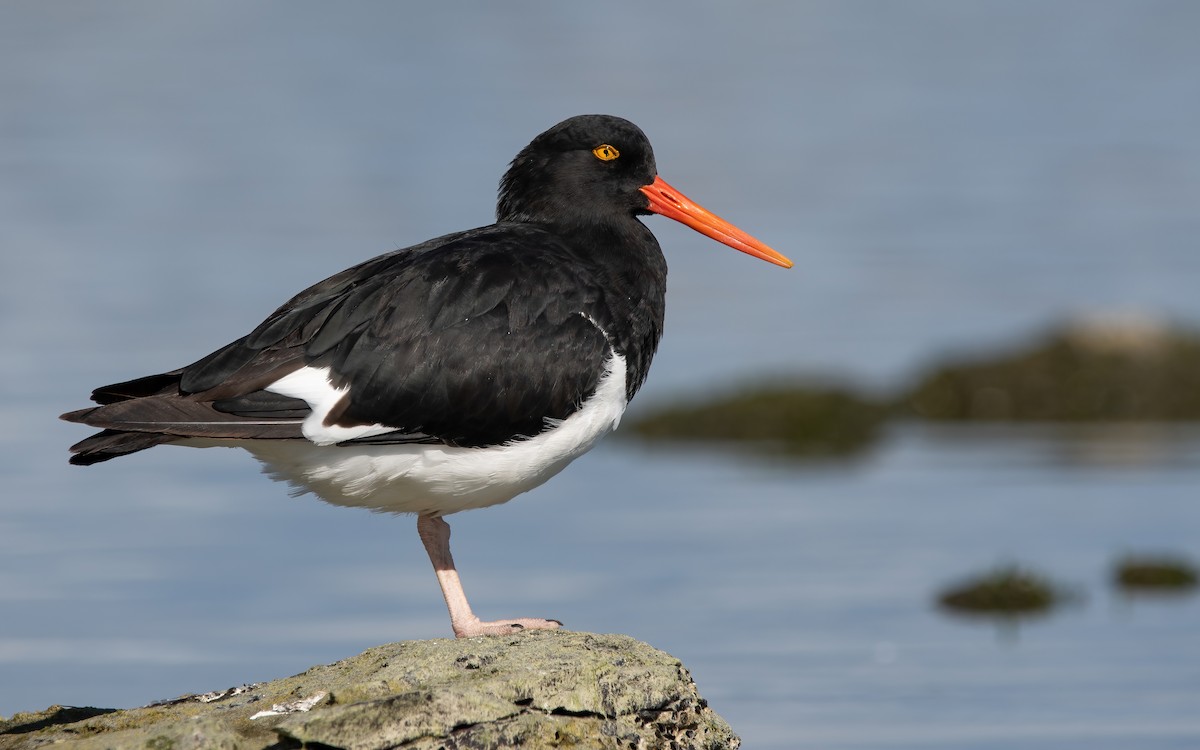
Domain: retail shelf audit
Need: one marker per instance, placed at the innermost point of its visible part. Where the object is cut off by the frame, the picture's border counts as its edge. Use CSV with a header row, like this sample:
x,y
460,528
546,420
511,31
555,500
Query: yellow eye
x,y
605,152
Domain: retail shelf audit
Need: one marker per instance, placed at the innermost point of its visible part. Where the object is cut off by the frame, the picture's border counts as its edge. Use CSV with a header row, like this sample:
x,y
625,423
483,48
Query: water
x,y
801,597
946,175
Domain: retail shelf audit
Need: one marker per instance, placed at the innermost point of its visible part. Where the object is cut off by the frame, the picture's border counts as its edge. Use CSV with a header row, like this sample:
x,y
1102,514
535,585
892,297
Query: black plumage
x,y
472,339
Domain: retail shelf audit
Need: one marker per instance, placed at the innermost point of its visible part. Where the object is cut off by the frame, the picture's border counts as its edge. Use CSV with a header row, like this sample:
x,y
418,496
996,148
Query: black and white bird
x,y
453,374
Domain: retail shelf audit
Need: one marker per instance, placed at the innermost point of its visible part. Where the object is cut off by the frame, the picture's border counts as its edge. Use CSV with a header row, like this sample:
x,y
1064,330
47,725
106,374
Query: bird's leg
x,y
435,535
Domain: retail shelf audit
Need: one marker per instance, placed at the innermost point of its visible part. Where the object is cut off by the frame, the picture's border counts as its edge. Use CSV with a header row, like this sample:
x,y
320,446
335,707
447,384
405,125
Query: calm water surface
x,y
799,596
946,175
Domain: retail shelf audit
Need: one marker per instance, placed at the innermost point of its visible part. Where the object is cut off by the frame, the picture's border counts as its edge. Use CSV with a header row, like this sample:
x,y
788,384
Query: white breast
x,y
433,479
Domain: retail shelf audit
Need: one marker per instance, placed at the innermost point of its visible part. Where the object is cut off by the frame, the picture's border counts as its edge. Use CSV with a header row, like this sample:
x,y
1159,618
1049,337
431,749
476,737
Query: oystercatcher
x,y
453,374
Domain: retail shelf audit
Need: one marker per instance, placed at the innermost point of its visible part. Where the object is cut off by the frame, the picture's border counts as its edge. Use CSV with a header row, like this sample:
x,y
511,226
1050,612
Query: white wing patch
x,y
312,384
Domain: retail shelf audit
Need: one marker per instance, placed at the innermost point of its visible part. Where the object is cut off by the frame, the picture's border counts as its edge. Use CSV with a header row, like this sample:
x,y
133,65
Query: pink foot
x,y
475,626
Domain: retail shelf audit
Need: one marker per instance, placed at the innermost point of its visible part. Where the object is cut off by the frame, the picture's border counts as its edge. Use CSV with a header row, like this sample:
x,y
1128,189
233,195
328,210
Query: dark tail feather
x,y
153,385
108,444
142,413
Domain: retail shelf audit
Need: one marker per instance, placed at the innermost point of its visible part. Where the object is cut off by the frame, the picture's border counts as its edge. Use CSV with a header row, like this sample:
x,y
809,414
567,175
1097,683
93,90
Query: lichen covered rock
x,y
532,690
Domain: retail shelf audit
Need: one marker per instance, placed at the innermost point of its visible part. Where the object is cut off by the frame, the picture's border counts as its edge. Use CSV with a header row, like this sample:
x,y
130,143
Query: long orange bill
x,y
673,204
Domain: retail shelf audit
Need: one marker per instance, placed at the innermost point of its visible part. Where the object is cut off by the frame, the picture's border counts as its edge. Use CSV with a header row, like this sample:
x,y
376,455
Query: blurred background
x,y
951,178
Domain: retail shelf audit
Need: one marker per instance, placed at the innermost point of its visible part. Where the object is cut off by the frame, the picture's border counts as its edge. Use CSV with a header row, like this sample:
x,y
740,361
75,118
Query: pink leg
x,y
435,534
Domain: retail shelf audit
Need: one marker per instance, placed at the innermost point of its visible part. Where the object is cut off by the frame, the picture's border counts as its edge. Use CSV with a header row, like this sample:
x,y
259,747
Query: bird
x,y
453,374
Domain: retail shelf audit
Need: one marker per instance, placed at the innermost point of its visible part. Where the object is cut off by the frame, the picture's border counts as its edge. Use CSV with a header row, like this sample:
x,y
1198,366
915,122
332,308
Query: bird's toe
x,y
504,627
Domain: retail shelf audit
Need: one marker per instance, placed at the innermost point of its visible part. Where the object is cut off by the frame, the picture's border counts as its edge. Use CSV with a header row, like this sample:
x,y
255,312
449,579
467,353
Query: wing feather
x,y
471,339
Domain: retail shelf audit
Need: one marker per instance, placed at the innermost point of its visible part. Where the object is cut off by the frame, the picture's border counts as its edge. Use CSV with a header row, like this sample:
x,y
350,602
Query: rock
x,y
533,690
792,420
1103,370
1005,592
1162,574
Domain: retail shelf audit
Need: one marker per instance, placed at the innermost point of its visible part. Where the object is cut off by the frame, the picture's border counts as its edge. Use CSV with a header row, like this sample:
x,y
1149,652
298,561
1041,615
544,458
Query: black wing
x,y
470,339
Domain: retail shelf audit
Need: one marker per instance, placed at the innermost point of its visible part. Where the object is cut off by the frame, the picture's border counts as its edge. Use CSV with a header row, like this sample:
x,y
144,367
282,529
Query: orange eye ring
x,y
605,152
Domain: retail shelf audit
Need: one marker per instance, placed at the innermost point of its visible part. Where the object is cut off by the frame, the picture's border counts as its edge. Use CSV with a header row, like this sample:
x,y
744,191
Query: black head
x,y
598,170
585,170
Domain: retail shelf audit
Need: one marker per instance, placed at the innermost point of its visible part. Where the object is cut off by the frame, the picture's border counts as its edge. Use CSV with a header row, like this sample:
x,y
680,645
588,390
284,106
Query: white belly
x,y
438,479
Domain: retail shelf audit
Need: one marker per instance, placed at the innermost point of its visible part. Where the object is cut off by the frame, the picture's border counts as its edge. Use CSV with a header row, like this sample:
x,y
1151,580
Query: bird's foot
x,y
475,626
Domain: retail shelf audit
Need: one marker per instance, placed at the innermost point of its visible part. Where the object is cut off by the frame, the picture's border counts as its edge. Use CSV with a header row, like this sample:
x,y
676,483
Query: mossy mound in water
x,y
793,420
1008,591
1155,573
1106,371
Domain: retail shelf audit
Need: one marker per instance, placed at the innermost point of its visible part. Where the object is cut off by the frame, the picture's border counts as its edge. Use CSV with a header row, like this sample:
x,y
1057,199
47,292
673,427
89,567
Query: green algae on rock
x,y
1155,573
1007,591
790,420
532,690
1123,369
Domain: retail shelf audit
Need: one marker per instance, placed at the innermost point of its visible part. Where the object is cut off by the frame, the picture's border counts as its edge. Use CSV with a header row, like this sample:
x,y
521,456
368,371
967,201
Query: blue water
x,y
948,176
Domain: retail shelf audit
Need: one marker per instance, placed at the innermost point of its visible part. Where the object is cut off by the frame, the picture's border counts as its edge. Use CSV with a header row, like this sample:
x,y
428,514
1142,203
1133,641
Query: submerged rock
x,y
1156,573
1005,592
1112,369
533,690
791,420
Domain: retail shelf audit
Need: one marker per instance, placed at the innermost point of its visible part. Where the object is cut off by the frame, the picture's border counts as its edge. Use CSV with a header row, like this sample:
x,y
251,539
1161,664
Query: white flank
x,y
432,479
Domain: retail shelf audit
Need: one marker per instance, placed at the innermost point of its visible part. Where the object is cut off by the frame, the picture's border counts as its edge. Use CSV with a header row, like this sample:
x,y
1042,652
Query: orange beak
x,y
673,204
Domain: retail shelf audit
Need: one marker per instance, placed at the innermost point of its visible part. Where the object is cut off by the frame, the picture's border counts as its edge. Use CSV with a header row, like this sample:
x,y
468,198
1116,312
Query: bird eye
x,y
605,152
